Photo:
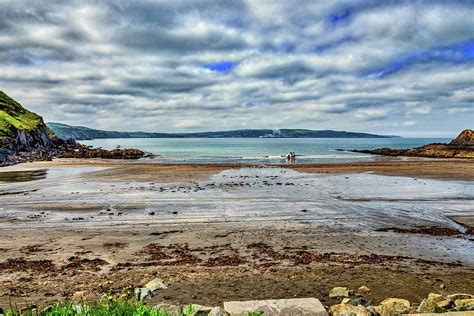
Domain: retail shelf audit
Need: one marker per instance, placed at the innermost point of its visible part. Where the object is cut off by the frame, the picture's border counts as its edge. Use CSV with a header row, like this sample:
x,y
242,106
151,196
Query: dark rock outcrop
x,y
466,138
461,147
75,150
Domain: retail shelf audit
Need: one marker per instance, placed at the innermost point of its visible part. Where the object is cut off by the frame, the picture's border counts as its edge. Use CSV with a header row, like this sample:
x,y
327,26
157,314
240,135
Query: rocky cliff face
x,y
23,134
25,137
23,145
466,138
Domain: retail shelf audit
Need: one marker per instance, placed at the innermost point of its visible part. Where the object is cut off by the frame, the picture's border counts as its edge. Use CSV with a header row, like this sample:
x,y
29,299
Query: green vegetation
x,y
14,117
119,307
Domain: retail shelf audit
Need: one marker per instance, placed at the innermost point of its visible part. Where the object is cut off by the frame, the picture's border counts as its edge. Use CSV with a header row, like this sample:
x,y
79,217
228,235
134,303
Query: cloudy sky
x,y
393,67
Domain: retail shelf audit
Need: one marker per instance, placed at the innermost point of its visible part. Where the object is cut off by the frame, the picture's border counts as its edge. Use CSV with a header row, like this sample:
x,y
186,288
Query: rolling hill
x,y
82,133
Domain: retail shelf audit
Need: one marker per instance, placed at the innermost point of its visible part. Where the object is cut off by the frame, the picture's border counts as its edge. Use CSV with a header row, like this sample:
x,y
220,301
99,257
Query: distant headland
x,y
84,133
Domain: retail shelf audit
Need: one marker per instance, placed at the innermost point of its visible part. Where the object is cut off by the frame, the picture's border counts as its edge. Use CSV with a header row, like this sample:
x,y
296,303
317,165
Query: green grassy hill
x,y
79,133
15,117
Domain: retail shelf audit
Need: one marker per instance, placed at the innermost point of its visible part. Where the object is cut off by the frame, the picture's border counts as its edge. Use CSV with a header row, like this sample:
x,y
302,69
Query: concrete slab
x,y
294,307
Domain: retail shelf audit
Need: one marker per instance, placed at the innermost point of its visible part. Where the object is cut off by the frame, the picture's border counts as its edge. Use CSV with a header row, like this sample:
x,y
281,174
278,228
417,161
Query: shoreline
x,y
221,232
430,168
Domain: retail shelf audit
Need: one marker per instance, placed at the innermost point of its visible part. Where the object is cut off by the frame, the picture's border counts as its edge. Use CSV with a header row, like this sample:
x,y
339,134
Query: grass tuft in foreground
x,y
117,307
106,307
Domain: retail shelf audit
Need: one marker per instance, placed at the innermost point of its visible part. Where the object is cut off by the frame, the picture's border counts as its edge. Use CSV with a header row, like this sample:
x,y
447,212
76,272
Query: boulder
x,y
393,306
363,290
295,306
435,297
217,311
464,302
360,301
460,296
339,292
429,306
446,304
143,293
169,309
196,310
156,284
346,309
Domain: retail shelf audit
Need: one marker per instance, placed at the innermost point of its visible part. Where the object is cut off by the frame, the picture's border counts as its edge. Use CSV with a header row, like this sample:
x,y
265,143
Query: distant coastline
x,y
65,131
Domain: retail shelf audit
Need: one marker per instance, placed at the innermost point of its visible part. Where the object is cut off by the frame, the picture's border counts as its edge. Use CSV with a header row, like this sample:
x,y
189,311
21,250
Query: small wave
x,y
260,157
331,156
269,158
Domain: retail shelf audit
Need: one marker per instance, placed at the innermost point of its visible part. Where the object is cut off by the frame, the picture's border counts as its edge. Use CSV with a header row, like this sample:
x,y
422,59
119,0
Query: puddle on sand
x,y
23,176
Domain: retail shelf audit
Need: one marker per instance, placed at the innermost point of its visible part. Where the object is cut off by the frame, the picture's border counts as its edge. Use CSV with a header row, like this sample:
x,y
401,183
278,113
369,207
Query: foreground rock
x,y
394,306
459,304
461,147
156,284
24,137
339,292
296,306
348,309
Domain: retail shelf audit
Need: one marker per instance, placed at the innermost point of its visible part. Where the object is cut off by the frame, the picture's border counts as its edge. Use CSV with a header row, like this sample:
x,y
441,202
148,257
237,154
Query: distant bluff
x,y
466,138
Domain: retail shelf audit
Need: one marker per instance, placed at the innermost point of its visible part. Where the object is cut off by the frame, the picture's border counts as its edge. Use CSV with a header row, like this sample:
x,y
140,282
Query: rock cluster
x,y
353,303
12,151
461,147
434,303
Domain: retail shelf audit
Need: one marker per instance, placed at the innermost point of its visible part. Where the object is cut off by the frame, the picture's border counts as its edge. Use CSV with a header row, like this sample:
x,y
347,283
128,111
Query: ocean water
x,y
259,150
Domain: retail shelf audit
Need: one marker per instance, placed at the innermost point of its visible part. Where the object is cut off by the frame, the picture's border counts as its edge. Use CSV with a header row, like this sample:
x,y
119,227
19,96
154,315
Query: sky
x,y
389,67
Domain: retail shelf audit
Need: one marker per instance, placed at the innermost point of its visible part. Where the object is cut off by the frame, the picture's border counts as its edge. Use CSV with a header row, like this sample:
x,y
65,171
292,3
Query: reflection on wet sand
x,y
22,176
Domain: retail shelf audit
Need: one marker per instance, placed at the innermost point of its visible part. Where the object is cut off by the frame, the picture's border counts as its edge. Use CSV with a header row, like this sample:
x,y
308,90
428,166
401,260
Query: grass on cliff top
x,y
14,117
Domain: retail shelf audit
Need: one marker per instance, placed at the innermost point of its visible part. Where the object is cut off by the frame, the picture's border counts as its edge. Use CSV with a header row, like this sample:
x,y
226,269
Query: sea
x,y
259,150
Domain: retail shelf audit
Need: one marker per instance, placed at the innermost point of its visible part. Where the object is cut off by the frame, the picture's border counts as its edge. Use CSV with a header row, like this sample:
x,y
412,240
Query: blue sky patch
x,y
222,67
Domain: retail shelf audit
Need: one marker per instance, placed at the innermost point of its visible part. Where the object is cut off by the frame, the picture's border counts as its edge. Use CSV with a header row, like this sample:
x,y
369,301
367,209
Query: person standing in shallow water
x,y
291,157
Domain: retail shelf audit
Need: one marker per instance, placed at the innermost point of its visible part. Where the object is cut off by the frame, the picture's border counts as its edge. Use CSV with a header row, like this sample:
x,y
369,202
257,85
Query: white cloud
x,y
417,108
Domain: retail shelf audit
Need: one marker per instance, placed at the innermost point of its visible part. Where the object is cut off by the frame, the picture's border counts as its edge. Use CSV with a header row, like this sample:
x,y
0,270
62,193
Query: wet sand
x,y
458,169
223,232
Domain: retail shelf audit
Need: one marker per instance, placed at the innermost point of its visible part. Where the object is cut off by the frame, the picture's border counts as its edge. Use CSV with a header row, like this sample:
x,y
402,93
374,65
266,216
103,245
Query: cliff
x,y
25,137
22,133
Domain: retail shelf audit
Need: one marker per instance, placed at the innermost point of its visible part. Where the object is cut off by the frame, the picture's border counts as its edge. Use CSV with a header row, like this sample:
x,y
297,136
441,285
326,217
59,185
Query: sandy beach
x,y
224,232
